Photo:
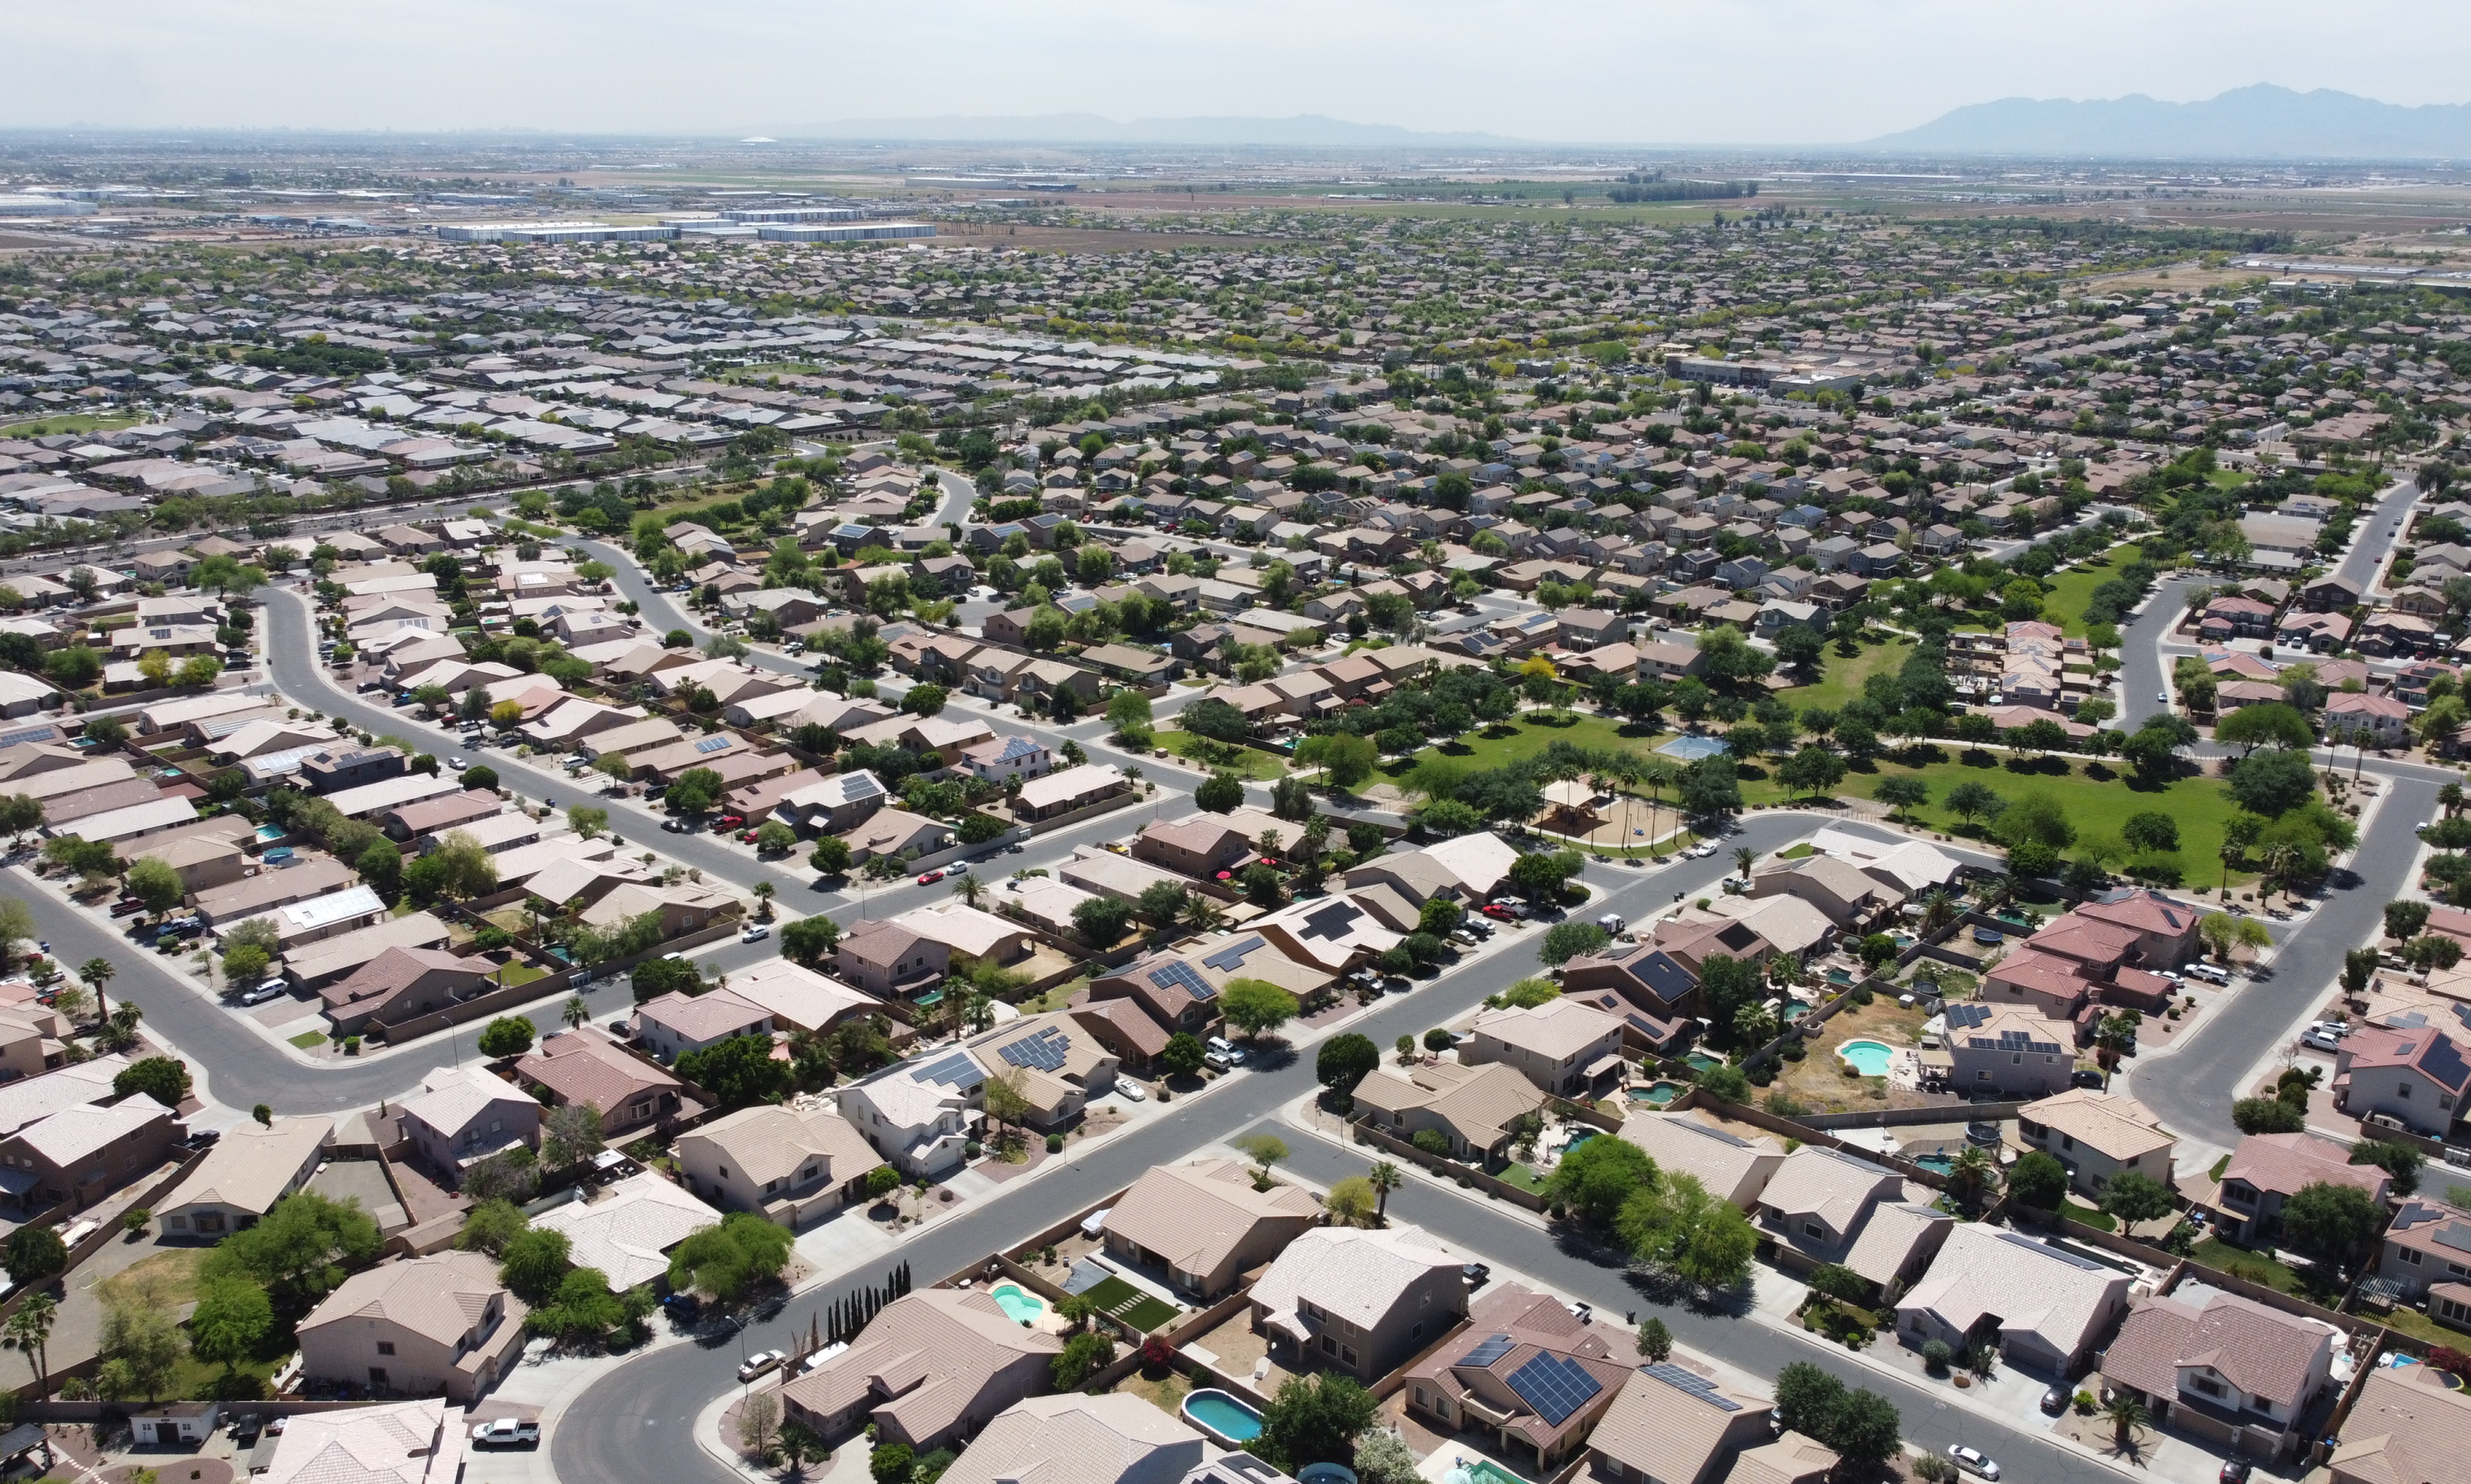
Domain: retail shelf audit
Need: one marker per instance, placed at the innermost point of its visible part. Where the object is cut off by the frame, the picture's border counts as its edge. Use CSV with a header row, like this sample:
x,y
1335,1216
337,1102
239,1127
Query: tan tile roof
x,y
1791,1459
441,1298
1074,1439
2029,1287
1357,1275
405,1443
1834,1187
1669,1431
584,1066
1728,1166
1193,1216
925,1359
627,1232
772,1142
251,1166
1557,1028
2405,1430
1478,1101
2263,1351
2284,1163
1890,1236
2108,1124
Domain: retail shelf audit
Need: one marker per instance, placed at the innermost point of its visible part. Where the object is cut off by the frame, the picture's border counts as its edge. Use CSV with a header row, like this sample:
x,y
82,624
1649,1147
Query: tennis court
x,y
1691,748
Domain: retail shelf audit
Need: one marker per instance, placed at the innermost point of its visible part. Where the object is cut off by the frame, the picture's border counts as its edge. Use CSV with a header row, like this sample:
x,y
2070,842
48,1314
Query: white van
x,y
2211,974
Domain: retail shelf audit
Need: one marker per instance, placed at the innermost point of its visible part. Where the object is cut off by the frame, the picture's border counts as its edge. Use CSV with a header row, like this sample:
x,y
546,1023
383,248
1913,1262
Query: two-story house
x,y
412,1328
1562,1045
2097,1136
789,1165
2227,1369
1360,1302
2416,1077
462,1114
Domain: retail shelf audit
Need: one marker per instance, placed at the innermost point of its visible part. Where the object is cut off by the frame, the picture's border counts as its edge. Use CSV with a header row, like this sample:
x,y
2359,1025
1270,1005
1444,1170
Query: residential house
x,y
404,1443
2268,1169
2098,1136
1476,1110
1563,1047
791,1166
1361,1302
2224,1369
440,1323
1074,1438
1055,1062
2043,1306
2416,1077
85,1152
462,1114
624,1232
1815,1204
1205,1225
242,1177
1525,1371
2429,1246
584,1067
1677,1422
2407,1425
1733,1169
1851,897
919,1115
933,1368
2016,1053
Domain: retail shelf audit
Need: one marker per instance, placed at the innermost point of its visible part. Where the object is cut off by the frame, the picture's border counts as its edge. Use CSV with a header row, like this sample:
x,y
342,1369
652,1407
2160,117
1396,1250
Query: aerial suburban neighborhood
x,y
1318,819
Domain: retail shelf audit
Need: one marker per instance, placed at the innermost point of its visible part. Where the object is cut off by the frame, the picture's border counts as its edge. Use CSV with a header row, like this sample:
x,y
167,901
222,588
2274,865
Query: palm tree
x,y
1972,1176
968,888
1384,1178
2127,1414
29,1329
97,972
2451,798
575,1012
2280,860
1744,858
1939,909
763,893
1204,913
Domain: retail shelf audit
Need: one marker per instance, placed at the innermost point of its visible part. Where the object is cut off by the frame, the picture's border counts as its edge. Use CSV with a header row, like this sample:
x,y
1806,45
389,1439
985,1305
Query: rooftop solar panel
x,y
1042,1050
2083,1264
1176,974
1555,1386
711,744
1490,1351
1230,959
1691,1381
27,734
1965,1017
955,1071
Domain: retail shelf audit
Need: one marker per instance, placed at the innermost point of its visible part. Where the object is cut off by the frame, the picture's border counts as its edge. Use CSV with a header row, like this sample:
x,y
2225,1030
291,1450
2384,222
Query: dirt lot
x,y
1817,1081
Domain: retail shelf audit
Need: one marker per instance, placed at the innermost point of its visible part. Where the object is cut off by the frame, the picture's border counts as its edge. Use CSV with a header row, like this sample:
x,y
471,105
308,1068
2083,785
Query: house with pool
x,y
1732,1168
1526,1371
1116,1438
1204,1225
934,1368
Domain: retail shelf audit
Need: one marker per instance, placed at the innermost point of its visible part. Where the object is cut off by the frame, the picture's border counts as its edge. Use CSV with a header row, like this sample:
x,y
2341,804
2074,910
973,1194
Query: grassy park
x,y
1247,763
1841,681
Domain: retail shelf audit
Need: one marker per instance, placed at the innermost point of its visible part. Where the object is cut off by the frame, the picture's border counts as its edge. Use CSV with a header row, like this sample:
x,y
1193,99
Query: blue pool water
x,y
1022,1306
1936,1163
1867,1057
1578,1139
1690,750
1223,1415
1657,1094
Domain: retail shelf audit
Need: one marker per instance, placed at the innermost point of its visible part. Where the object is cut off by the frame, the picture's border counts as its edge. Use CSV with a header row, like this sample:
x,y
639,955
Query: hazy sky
x,y
1709,71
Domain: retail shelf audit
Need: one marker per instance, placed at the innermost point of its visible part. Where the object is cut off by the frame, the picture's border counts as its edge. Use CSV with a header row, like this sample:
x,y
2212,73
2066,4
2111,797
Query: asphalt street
x,y
636,1425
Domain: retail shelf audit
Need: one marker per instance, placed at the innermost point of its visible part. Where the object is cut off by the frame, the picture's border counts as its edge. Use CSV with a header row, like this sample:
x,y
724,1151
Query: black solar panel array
x,y
1488,1352
1555,1386
1179,975
1042,1050
1230,959
955,1071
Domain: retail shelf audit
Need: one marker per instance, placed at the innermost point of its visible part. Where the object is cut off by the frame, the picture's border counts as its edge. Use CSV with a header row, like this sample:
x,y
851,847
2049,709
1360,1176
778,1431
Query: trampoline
x,y
1690,750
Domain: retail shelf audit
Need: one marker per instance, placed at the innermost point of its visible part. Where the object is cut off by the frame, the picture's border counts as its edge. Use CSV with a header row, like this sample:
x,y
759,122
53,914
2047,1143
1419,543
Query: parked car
x,y
1130,1092
1972,1460
2319,1039
1504,910
765,1361
506,1432
456,763
1227,1048
2055,1399
756,932
260,994
2235,1471
2086,1077
1476,1274
126,908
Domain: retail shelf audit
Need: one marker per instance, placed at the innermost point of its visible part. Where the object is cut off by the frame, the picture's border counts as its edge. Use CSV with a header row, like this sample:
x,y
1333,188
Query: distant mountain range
x,y
2263,122
1304,131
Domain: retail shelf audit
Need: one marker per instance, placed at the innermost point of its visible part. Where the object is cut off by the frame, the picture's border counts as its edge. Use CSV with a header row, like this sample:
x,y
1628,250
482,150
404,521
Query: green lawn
x,y
2098,805
1844,677
2085,1215
1533,732
2418,1326
1120,1300
514,973
1523,1176
1249,762
308,1040
69,422
2071,590
2262,1267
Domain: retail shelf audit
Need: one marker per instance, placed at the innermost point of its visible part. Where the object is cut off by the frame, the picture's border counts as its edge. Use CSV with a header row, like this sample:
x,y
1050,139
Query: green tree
x,y
723,1261
156,887
2038,1180
1083,1356
2267,1116
1674,1224
1807,1400
28,1331
1593,1184
1102,921
1345,1060
232,1318
587,820
1314,1418
1128,716
1902,793
489,1226
2330,1222
31,1254
141,1349
299,1250
1256,1007
1219,793
740,1072
533,1262
162,1078
2151,831
508,1036
695,790
2401,1161
1345,758
1565,941
1970,800
1183,1053
811,940
1655,1340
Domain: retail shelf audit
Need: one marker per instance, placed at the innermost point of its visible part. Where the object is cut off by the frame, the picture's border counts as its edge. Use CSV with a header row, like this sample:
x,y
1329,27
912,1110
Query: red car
x,y
746,836
929,878
126,909
1496,910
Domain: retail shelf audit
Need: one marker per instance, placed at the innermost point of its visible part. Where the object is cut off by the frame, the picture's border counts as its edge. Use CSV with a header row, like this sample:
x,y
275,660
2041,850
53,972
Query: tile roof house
x,y
1897,1242
1850,897
790,1165
675,1023
1055,1062
1731,1167
2020,1053
918,1114
441,1323
2044,1307
83,1152
1116,1438
2427,1245
1472,1107
1525,1371
1680,1423
1562,1045
1205,1225
2416,1077
2407,1427
401,982
627,1230
889,959
2227,1369
933,1367
242,1177
402,1443
1646,977
1817,1202
1360,1301
2267,1169
583,1066
2097,1136
461,1115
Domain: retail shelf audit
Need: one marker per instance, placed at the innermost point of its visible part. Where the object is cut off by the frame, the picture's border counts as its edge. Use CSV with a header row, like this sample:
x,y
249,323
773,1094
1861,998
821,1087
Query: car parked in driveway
x,y
756,932
506,1432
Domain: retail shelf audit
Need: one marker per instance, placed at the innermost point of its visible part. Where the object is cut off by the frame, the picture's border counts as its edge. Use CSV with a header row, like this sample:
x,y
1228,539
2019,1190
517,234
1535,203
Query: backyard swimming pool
x,y
1656,1094
1018,1303
1222,1414
1936,1163
1869,1058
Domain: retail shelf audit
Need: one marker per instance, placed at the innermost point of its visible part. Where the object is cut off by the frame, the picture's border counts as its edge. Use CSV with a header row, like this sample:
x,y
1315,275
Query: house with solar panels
x,y
1056,1063
1526,1371
919,1115
999,759
1684,1421
2415,1076
1359,1302
1137,1009
2013,1052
